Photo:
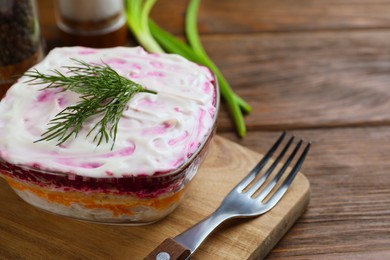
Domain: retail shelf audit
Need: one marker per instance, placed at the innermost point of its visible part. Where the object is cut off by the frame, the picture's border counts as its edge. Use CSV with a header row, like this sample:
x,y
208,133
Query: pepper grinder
x,y
92,23
20,40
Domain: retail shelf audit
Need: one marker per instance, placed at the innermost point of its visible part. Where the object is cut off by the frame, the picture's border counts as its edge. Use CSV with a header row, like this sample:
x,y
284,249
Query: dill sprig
x,y
103,92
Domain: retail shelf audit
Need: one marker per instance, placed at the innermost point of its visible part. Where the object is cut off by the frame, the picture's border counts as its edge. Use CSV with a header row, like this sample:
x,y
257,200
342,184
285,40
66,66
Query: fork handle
x,y
183,245
169,249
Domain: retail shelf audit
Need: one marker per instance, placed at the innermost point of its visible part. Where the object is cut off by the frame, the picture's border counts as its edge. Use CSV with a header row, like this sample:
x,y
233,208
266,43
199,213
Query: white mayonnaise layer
x,y
156,132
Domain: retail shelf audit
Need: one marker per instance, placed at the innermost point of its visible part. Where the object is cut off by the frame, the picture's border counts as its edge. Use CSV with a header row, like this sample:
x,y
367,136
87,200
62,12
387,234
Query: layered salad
x,y
161,138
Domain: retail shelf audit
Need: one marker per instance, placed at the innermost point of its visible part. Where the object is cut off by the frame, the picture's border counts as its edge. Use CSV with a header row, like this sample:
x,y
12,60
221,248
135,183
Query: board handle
x,y
169,249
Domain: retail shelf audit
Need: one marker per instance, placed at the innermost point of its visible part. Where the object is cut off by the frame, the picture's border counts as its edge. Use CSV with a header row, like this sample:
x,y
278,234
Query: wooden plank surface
x,y
297,81
31,233
250,16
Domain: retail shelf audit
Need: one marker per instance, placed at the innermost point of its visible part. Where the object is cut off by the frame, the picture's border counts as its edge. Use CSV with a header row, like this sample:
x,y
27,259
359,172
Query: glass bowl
x,y
132,200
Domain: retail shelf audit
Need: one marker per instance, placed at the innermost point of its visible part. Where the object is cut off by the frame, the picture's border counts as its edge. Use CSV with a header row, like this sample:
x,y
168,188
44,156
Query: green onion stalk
x,y
155,39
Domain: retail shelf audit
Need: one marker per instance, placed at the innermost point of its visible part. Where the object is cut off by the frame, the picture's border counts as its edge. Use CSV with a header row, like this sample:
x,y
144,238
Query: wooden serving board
x,y
28,233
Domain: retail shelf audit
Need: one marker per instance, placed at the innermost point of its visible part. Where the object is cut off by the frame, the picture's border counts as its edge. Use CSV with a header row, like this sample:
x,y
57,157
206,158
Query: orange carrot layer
x,y
117,204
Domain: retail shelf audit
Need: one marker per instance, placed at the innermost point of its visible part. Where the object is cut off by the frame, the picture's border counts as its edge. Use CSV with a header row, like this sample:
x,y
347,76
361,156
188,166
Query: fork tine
x,y
264,193
287,182
260,181
253,173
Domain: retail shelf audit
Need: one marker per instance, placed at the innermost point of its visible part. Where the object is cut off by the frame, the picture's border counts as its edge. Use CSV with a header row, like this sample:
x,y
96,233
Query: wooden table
x,y
321,70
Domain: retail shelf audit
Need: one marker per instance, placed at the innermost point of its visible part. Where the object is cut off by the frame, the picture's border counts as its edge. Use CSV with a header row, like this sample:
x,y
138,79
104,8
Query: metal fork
x,y
244,200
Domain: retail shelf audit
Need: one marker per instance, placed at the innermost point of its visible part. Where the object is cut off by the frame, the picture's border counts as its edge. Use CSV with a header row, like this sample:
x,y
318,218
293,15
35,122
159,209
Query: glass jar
x,y
20,40
92,23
